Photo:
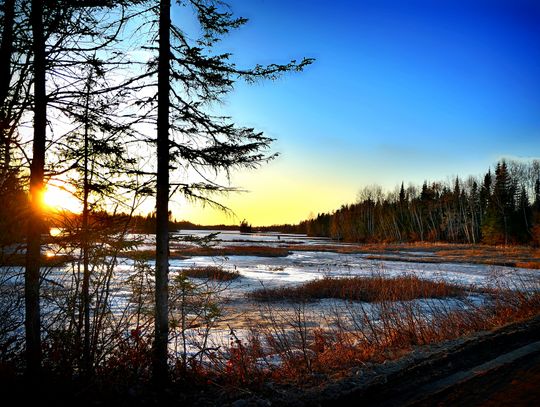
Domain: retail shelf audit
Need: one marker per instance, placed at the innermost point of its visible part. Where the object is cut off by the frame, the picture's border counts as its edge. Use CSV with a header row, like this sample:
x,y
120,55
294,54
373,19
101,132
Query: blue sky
x,y
399,91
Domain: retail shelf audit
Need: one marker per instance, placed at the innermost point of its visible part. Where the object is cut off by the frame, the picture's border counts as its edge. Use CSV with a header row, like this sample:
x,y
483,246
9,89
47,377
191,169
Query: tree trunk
x,y
160,373
6,50
85,249
35,220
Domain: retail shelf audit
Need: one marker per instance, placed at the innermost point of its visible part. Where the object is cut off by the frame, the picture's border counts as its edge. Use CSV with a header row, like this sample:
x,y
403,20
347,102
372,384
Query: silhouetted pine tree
x,y
501,206
191,76
522,217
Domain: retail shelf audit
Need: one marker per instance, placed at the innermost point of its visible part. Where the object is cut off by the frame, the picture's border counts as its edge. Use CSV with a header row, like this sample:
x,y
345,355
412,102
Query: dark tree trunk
x,y
35,220
162,199
85,249
6,50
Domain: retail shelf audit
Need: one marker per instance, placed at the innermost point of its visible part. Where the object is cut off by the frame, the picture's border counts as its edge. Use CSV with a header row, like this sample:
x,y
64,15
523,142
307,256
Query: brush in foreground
x,y
369,289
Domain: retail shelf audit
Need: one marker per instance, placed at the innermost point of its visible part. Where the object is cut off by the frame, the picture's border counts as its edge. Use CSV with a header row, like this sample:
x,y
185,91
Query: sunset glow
x,y
57,198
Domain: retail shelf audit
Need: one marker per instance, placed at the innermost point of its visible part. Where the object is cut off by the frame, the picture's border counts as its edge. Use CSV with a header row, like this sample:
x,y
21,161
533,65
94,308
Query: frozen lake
x,y
303,265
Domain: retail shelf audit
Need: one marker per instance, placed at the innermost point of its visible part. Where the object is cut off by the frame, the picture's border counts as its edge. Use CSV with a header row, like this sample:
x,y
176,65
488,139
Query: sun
x,y
57,198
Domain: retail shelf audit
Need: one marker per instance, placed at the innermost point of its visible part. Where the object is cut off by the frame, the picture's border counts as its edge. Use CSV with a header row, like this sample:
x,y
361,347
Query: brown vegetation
x,y
184,252
361,334
511,256
369,289
211,272
261,251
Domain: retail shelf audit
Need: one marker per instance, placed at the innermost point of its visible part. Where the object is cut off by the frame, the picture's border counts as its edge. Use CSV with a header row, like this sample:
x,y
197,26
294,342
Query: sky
x,y
400,91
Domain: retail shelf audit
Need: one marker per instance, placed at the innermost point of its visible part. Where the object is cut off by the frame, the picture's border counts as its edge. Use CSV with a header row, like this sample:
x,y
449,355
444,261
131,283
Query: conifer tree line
x,y
502,207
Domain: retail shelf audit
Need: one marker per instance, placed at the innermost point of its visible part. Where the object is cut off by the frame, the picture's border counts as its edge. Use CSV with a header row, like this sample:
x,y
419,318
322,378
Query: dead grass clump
x,y
211,273
150,254
368,289
261,251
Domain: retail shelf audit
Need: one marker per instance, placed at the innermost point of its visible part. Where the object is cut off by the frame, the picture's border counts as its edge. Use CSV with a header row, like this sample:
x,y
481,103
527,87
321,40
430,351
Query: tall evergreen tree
x,y
402,195
485,192
504,198
521,219
162,197
191,76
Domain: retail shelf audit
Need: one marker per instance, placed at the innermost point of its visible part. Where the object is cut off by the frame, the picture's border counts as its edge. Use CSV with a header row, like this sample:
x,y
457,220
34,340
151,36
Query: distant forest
x,y
502,207
499,208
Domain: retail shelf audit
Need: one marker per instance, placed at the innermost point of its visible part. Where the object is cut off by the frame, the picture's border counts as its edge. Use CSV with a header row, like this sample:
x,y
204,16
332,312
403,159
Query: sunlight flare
x,y
60,199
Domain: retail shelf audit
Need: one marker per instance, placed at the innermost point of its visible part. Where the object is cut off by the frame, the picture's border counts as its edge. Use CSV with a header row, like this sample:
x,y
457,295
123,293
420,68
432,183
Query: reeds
x,y
298,347
211,273
256,250
369,289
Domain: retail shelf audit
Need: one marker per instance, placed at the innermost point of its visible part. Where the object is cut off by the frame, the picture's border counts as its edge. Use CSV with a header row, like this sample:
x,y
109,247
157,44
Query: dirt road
x,y
513,384
500,368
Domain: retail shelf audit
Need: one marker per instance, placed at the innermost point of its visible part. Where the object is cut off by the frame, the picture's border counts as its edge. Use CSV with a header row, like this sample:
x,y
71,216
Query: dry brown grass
x,y
142,255
512,256
261,251
361,334
185,252
331,353
405,326
369,289
211,273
